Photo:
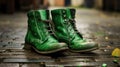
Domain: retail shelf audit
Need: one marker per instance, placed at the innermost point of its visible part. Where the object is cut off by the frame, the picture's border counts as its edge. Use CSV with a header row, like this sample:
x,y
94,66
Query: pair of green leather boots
x,y
48,37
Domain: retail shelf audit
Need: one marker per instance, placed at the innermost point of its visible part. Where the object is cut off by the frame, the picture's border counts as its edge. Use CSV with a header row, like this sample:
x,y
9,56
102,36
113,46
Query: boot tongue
x,y
71,13
31,14
42,14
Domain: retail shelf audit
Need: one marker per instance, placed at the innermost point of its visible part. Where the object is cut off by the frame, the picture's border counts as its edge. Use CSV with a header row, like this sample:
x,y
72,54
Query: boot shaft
x,y
63,15
38,24
64,24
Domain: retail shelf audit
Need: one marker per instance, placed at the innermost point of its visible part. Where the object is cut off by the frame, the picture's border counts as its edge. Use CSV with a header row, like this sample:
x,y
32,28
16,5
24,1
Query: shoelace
x,y
48,26
75,28
73,24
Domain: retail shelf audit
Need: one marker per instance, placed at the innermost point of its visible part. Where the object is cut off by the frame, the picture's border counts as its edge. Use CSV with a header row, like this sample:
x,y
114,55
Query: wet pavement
x,y
98,26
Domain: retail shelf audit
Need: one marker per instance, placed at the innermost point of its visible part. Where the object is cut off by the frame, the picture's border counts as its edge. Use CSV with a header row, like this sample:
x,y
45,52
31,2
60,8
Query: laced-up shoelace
x,y
69,28
74,26
49,27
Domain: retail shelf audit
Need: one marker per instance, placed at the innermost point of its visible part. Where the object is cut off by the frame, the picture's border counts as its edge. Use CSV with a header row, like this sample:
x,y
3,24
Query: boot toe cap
x,y
85,46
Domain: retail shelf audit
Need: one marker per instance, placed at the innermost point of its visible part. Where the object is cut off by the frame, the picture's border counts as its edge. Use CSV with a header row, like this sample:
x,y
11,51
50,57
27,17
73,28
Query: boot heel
x,y
27,46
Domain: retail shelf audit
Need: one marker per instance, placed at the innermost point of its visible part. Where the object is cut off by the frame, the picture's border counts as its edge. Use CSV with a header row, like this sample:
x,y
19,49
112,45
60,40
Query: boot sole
x,y
49,52
28,46
88,50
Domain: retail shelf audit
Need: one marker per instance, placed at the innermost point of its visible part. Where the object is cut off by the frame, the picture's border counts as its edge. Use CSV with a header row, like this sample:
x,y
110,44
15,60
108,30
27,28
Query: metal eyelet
x,y
63,11
65,20
64,15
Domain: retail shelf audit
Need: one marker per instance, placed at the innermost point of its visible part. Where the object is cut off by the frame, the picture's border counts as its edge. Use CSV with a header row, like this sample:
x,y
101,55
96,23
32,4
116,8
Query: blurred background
x,y
11,6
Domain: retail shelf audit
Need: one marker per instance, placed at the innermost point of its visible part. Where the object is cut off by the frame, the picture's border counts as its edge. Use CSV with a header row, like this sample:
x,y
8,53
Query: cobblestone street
x,y
101,27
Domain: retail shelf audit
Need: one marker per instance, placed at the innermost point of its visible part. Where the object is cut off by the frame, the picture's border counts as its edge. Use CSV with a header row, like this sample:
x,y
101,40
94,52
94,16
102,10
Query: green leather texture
x,y
39,32
64,25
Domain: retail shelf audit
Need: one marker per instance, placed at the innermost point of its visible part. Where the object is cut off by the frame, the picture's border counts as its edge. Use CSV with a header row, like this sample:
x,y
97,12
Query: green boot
x,y
39,34
64,28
